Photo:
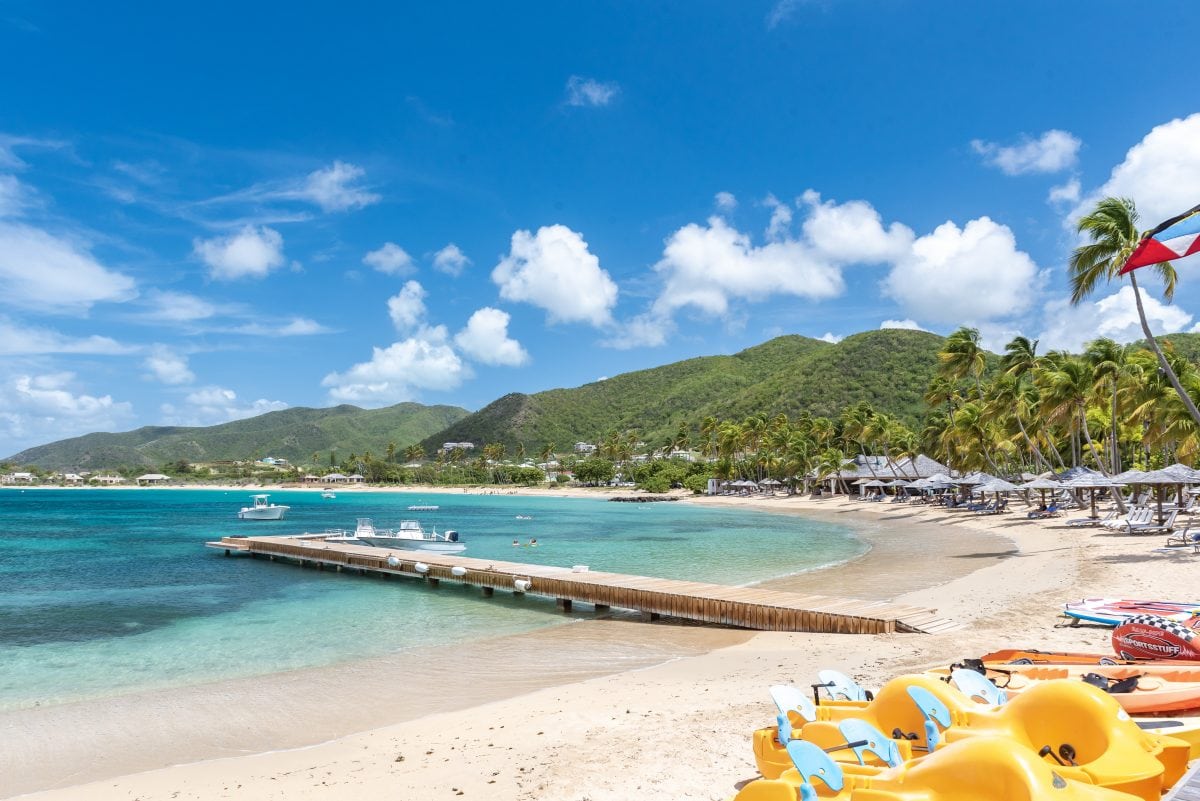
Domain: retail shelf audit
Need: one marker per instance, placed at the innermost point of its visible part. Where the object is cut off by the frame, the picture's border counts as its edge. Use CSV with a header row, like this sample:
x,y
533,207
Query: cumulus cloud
x,y
554,270
485,339
1160,173
590,92
335,188
830,337
1065,193
407,308
704,266
19,340
40,408
41,271
450,260
647,330
725,201
252,252
911,325
967,274
390,259
781,218
1053,151
169,367
15,197
852,232
293,327
1114,316
214,404
177,307
400,371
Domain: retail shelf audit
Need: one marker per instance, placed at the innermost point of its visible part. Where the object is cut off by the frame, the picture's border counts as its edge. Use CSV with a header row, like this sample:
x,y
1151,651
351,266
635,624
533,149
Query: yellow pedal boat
x,y
984,768
1072,723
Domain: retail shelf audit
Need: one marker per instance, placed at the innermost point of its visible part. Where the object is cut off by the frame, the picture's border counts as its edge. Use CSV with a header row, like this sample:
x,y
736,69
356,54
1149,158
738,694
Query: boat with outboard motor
x,y
261,510
410,536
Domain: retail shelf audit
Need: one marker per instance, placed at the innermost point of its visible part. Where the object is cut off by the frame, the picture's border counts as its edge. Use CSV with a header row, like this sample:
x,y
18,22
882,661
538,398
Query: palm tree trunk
x,y
1162,360
1039,460
1088,436
1116,445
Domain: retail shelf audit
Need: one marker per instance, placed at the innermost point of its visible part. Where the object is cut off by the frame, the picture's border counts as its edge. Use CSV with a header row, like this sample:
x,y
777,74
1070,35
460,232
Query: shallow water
x,y
105,592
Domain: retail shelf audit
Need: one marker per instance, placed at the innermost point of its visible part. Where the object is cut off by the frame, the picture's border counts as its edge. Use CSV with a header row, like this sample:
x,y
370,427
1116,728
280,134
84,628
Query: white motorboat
x,y
409,536
423,507
327,493
261,510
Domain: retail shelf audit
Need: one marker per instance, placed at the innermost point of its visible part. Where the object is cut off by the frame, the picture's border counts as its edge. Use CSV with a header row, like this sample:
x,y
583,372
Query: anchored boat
x,y
261,510
409,536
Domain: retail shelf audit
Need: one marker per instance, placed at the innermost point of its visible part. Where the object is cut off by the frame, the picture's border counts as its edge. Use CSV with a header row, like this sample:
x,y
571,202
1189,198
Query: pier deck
x,y
746,607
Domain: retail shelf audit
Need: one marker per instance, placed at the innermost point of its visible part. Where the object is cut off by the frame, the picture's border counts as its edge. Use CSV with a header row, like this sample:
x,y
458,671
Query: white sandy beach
x,y
678,729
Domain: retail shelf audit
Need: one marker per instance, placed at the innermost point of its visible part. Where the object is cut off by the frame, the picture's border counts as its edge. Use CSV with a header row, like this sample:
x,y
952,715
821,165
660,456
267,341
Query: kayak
x,y
1111,611
1031,656
1141,689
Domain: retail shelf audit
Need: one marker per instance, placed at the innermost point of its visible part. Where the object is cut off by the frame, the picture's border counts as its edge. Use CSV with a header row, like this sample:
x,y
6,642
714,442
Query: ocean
x,y
107,592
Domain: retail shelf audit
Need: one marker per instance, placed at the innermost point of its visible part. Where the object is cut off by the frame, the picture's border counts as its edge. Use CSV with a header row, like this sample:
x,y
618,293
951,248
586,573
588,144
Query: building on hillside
x,y
152,478
461,446
684,456
72,478
18,478
108,480
273,461
585,447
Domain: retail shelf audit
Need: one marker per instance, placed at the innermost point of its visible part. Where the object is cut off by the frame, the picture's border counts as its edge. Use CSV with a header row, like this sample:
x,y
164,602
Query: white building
x,y
462,446
585,447
18,478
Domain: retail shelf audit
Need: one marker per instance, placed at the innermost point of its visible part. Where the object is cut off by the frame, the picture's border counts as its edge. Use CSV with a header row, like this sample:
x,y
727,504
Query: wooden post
x,y
564,604
649,617
227,552
432,581
488,592
602,607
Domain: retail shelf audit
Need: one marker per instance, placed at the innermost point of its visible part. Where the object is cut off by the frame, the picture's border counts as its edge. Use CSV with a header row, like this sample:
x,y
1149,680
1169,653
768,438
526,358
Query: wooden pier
x,y
745,607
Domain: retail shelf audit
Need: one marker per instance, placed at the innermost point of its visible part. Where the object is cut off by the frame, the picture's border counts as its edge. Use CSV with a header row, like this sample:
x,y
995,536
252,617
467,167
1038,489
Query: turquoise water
x,y
110,591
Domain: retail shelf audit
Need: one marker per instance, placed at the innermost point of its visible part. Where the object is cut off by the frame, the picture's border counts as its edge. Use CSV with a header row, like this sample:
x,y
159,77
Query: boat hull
x,y
1112,611
263,513
429,546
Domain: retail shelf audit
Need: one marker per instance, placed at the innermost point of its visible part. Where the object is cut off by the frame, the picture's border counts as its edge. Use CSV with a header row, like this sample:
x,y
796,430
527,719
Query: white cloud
x,y
1065,193
555,271
450,260
852,232
390,259
177,307
971,274
15,197
705,266
1160,173
250,253
781,12
725,201
41,408
9,145
485,339
294,327
1114,316
398,372
781,218
911,325
590,92
1054,151
169,367
407,308
334,188
40,270
830,337
643,331
17,340
214,404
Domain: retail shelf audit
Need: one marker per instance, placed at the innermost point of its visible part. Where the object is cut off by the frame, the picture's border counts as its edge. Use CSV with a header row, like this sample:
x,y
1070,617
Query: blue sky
x,y
211,211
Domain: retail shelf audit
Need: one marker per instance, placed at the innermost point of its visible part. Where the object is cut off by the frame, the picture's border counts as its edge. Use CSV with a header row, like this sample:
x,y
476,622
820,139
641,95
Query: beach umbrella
x,y
1091,483
1159,479
770,482
1041,485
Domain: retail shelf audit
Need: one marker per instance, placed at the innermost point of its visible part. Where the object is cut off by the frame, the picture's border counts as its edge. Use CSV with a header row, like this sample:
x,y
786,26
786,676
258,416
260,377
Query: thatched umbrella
x,y
998,486
1093,483
1041,485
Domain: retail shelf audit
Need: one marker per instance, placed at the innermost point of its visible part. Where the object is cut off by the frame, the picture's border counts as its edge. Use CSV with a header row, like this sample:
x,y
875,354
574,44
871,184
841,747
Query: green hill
x,y
789,374
293,434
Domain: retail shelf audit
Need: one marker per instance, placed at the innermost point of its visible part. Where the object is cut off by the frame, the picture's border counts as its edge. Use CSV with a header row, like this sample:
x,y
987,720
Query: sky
x,y
210,211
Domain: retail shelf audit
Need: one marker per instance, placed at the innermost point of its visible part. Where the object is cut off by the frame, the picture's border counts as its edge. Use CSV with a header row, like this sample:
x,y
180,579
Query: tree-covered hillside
x,y
293,434
789,374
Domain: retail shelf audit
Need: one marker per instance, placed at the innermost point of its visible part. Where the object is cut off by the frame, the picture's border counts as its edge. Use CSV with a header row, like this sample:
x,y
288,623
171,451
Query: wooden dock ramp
x,y
745,607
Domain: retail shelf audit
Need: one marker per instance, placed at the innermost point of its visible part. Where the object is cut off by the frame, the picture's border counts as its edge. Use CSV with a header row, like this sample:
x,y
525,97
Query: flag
x,y
1172,239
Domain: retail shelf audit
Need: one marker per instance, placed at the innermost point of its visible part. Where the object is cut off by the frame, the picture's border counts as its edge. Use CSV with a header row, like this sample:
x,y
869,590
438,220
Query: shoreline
x,y
989,565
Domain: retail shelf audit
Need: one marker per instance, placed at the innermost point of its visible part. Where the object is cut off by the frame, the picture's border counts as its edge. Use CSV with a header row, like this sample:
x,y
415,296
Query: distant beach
x,y
978,570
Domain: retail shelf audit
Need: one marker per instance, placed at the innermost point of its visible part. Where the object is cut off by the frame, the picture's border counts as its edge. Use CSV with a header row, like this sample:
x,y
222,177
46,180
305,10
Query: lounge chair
x,y
1152,526
1042,514
1136,517
1184,537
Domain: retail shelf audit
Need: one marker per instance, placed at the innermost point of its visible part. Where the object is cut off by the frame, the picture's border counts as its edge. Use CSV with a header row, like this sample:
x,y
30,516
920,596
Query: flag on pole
x,y
1173,239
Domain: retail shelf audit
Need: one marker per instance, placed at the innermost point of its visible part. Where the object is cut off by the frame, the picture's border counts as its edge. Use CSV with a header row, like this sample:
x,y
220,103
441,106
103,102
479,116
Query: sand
x,y
558,726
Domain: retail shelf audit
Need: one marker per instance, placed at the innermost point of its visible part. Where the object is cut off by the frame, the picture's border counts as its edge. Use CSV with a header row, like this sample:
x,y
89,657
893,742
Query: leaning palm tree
x,y
963,356
1112,226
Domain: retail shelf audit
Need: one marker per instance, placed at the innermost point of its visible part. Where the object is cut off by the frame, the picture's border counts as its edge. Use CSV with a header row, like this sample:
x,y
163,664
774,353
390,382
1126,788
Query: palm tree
x,y
547,452
391,452
1109,365
1020,360
1112,226
962,356
414,453
1068,384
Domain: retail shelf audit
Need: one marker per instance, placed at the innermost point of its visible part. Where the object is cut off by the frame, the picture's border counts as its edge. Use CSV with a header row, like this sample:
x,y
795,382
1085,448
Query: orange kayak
x,y
1145,688
1033,656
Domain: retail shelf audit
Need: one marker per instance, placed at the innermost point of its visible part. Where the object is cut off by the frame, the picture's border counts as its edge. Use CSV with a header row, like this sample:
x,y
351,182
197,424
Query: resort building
x,y
18,478
152,478
885,469
108,480
460,446
585,447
